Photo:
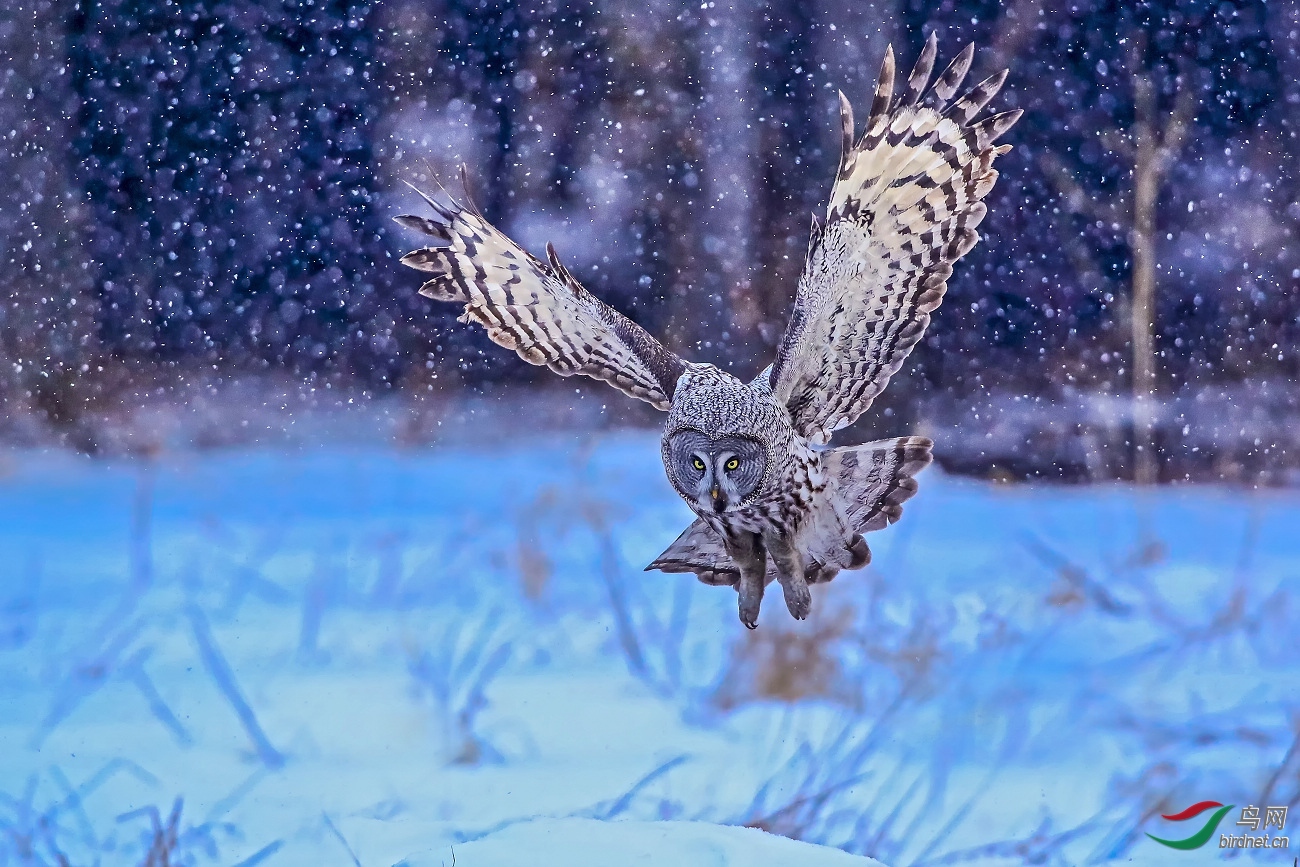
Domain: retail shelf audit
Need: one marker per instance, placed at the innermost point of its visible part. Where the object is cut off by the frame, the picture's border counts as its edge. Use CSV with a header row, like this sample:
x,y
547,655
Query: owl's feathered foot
x,y
790,572
797,597
751,599
746,549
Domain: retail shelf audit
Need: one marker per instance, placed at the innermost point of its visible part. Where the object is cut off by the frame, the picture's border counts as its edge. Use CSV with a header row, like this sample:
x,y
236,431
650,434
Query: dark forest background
x,y
197,193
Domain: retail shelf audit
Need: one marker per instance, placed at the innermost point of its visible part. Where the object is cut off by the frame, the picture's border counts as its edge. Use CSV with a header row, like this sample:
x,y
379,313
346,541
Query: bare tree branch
x,y
1014,31
1111,210
1174,135
1116,142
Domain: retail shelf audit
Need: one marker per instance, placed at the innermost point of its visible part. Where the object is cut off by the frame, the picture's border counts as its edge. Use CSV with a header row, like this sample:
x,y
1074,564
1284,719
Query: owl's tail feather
x,y
866,488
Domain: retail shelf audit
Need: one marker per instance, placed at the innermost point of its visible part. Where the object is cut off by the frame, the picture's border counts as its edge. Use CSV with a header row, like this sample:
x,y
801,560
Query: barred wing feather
x,y
537,308
904,208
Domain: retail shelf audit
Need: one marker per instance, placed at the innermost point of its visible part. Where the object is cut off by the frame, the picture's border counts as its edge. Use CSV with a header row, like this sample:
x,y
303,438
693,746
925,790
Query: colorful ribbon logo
x,y
1201,837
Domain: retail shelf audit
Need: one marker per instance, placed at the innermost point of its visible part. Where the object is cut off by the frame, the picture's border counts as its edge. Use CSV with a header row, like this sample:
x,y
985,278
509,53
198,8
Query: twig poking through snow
x,y
224,677
619,805
261,854
339,836
464,658
133,670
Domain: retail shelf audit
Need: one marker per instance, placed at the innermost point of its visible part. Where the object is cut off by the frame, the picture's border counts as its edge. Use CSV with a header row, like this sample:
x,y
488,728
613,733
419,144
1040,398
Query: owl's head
x,y
722,437
714,473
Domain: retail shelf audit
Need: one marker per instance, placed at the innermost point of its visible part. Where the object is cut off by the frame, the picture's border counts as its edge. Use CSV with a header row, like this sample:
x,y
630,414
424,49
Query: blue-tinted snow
x,y
1021,661
588,843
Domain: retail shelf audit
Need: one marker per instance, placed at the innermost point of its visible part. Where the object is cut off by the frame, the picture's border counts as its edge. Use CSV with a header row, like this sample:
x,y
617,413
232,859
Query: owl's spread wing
x,y
904,208
537,308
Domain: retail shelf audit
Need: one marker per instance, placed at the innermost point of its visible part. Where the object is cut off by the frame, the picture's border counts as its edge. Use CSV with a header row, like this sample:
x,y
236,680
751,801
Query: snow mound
x,y
593,843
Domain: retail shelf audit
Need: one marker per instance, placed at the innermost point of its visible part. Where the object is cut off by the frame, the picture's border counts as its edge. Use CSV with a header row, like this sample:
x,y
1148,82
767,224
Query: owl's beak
x,y
719,501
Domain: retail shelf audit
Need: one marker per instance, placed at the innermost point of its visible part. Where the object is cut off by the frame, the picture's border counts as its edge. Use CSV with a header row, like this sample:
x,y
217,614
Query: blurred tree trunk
x,y
1153,151
334,262
1151,145
794,172
226,153
575,52
487,39
48,317
671,180
1281,141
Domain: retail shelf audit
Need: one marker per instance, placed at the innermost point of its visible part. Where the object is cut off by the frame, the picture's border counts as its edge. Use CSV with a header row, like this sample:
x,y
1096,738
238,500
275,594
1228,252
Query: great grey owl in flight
x,y
752,459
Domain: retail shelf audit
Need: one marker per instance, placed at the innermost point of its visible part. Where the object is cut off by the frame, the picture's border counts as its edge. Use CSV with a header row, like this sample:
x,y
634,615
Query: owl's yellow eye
x,y
733,463
698,464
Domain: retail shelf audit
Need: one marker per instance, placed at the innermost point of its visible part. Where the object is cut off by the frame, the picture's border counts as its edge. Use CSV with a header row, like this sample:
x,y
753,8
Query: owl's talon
x,y
797,598
750,602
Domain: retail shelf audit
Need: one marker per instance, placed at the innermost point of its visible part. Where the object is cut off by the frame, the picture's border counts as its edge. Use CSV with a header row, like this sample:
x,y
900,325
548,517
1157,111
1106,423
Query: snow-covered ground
x,y
373,656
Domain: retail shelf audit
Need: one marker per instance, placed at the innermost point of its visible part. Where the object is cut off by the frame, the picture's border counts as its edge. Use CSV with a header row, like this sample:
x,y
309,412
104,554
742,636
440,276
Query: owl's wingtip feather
x,y
908,197
469,195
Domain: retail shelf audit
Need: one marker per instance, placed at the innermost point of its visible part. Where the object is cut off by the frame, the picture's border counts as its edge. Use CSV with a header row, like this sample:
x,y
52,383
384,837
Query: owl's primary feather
x,y
537,308
774,504
904,208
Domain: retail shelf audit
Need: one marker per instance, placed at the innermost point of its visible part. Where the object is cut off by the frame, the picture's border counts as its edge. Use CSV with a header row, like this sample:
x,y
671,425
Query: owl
x,y
753,460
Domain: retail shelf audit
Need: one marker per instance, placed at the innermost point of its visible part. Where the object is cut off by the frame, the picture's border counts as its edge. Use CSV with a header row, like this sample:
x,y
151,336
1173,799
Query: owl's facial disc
x,y
715,474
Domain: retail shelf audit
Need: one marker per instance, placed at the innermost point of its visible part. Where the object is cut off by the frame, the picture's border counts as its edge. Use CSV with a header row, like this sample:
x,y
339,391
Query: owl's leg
x,y
790,572
747,550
